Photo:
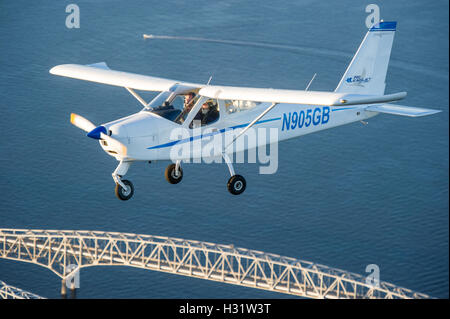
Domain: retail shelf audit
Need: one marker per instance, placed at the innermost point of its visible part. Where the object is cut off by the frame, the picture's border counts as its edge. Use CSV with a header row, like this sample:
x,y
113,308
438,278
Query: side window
x,y
208,114
233,106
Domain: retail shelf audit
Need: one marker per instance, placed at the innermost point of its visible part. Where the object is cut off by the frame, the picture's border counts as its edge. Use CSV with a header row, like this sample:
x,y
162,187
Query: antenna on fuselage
x,y
309,84
210,78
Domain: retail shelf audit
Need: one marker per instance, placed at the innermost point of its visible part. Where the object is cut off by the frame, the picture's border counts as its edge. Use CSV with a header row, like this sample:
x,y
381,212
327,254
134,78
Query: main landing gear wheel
x,y
172,176
236,184
122,193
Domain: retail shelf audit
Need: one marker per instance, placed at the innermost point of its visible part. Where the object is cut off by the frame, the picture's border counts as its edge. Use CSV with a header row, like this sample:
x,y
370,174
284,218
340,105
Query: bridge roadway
x,y
66,251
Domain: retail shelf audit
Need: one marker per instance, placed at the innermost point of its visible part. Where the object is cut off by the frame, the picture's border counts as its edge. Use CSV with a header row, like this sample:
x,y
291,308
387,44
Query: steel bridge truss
x,y
60,250
10,292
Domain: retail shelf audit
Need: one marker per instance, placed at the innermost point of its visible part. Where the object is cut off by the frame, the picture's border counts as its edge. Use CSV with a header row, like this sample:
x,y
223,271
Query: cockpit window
x,y
169,106
158,101
233,106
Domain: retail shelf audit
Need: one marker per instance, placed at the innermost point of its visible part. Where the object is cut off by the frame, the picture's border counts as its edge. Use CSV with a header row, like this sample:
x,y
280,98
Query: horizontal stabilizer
x,y
401,110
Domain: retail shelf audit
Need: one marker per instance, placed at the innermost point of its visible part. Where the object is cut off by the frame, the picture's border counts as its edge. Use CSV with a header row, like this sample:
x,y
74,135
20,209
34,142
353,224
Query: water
x,y
346,198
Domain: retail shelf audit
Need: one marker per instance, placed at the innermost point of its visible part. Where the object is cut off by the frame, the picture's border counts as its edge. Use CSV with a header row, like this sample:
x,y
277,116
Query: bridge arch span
x,y
59,250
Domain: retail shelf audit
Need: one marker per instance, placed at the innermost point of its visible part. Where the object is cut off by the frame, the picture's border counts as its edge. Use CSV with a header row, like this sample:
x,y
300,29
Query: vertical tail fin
x,y
366,74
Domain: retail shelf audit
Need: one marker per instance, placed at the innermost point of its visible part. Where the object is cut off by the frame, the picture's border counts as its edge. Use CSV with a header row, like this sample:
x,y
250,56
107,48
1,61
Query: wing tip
x,y
59,69
54,70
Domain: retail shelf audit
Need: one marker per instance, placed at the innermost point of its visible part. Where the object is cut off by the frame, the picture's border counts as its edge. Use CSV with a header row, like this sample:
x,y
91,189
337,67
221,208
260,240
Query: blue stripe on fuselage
x,y
192,138
343,109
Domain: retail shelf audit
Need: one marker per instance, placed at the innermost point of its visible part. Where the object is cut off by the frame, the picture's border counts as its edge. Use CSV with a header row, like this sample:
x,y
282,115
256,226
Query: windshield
x,y
167,105
158,101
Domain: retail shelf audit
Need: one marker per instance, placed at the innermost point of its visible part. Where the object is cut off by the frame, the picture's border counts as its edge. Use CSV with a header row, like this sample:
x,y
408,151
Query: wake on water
x,y
402,65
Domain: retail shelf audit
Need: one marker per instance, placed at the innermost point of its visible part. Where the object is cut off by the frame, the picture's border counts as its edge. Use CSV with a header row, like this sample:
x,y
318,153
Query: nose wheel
x,y
124,188
173,174
124,193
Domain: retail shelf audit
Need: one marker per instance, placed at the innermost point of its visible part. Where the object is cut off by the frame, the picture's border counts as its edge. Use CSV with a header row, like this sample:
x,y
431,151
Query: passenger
x,y
209,113
199,118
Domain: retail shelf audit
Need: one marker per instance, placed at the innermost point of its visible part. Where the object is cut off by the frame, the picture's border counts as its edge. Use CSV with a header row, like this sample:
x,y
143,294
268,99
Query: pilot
x,y
189,101
188,104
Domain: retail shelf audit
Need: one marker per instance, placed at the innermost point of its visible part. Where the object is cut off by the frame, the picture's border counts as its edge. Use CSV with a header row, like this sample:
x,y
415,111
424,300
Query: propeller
x,y
81,122
98,133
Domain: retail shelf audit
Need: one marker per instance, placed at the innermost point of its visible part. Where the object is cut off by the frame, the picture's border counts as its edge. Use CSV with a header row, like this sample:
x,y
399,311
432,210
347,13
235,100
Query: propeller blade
x,y
81,122
98,133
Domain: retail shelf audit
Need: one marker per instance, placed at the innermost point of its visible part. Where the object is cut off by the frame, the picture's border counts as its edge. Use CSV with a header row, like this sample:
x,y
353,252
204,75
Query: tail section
x,y
366,74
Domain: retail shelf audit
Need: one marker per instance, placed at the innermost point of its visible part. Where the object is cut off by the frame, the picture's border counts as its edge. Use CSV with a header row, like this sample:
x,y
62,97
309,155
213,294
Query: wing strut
x,y
137,96
250,125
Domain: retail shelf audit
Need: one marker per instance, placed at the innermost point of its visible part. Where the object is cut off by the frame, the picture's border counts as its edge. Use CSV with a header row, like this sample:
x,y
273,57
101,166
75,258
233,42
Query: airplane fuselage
x,y
148,136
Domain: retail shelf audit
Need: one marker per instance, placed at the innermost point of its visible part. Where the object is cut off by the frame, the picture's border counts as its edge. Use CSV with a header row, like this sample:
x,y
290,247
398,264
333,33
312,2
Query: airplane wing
x,y
101,73
401,110
295,96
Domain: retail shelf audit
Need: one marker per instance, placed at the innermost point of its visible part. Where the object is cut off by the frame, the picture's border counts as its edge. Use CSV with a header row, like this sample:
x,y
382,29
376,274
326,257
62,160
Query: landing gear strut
x,y
124,188
236,184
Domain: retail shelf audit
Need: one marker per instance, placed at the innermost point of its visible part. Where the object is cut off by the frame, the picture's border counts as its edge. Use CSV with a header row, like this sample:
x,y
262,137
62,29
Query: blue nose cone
x,y
95,133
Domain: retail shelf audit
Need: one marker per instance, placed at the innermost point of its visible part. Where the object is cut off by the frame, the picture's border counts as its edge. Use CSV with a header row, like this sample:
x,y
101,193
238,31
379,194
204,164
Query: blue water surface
x,y
346,198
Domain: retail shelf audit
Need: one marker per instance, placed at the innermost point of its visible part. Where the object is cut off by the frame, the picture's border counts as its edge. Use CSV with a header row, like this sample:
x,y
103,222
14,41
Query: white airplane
x,y
146,135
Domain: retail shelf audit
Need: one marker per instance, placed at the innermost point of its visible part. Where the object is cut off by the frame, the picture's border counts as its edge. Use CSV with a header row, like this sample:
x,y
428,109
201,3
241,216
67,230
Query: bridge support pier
x,y
73,291
63,288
